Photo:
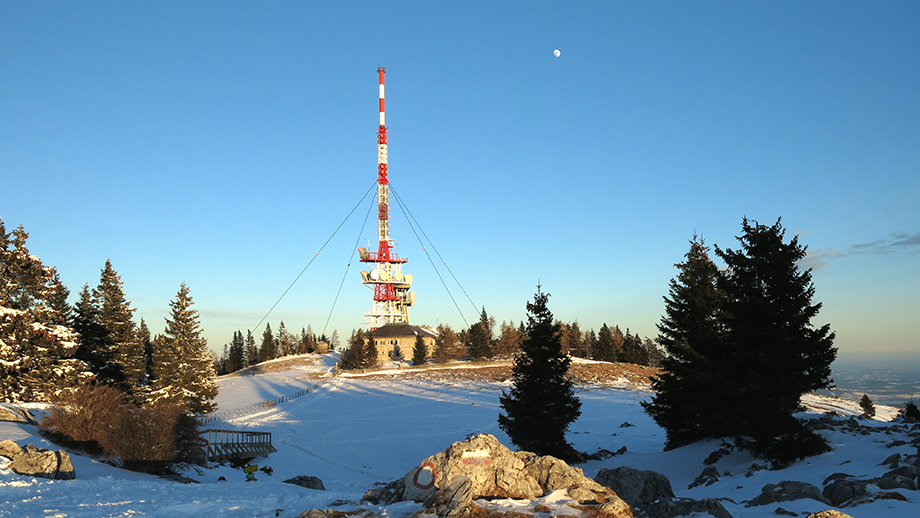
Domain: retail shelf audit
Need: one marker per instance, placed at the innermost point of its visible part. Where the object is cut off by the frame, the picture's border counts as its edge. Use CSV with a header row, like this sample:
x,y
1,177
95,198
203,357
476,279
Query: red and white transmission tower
x,y
392,297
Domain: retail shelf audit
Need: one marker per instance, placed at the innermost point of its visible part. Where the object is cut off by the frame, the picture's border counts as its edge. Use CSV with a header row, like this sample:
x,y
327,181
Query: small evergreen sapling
x,y
419,351
911,410
396,354
867,406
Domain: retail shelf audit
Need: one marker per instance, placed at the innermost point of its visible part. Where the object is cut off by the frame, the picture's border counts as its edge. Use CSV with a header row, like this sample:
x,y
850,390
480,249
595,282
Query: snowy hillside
x,y
352,431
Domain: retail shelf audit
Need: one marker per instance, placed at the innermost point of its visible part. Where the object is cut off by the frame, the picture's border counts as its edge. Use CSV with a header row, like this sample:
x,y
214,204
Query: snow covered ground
x,y
352,431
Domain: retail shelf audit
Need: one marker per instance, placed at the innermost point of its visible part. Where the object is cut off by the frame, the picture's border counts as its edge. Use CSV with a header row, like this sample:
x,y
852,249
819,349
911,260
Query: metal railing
x,y
224,445
251,409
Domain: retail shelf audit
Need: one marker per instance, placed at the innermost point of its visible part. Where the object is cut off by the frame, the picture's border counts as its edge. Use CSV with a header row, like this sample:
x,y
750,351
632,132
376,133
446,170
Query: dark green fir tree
x,y
267,350
353,357
251,356
541,404
419,351
235,352
479,346
126,369
605,347
867,406
371,353
774,354
687,392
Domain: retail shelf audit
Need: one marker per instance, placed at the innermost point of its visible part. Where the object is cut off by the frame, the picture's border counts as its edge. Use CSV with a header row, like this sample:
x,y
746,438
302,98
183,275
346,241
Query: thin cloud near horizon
x,y
897,241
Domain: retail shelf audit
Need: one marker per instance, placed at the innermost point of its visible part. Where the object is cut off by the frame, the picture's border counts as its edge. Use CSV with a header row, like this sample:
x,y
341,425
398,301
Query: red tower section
x,y
391,288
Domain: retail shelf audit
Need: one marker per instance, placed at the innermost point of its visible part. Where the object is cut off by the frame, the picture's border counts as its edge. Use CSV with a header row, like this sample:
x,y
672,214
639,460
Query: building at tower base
x,y
387,337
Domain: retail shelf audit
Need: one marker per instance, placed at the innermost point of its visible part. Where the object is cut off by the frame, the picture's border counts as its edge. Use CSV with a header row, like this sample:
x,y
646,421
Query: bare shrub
x,y
98,419
86,415
144,438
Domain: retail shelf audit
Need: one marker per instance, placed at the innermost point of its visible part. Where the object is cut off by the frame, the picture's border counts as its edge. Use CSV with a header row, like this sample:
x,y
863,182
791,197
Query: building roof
x,y
398,330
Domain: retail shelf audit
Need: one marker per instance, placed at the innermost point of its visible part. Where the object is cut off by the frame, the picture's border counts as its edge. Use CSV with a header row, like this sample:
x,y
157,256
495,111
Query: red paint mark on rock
x,y
425,476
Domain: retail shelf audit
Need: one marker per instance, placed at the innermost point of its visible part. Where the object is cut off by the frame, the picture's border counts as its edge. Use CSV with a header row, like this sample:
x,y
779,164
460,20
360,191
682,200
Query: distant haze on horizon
x,y
222,144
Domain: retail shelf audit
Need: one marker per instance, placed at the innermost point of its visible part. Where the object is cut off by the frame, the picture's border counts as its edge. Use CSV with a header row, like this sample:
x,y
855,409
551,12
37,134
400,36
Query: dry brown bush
x,y
86,414
144,435
143,438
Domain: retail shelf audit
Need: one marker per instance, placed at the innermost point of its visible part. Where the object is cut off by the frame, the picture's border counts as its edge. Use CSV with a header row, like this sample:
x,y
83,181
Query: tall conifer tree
x,y
354,356
126,368
236,352
37,351
687,392
605,348
541,403
267,350
182,362
774,354
480,337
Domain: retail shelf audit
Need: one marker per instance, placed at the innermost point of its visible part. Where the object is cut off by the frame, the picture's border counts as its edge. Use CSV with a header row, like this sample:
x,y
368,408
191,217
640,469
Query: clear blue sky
x,y
221,144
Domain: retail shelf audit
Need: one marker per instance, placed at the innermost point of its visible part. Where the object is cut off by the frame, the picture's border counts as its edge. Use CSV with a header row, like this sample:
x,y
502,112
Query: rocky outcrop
x,y
709,476
308,482
454,500
10,449
15,414
37,462
844,490
829,513
786,491
650,493
639,488
481,467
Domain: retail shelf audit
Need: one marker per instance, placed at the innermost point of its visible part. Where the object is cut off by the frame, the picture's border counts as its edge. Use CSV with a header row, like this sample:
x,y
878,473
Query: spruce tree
x,y
267,349
576,340
310,340
590,343
774,354
605,348
371,353
479,346
419,351
37,350
867,407
252,350
633,350
396,354
126,368
143,336
333,340
354,356
92,336
182,362
62,312
541,403
235,352
688,391
284,342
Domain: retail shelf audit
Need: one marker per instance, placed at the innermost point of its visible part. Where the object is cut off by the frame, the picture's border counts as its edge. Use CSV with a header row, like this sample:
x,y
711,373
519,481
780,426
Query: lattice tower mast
x,y
392,297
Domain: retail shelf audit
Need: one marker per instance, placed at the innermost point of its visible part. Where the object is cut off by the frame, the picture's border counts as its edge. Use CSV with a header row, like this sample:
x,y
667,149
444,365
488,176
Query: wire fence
x,y
252,409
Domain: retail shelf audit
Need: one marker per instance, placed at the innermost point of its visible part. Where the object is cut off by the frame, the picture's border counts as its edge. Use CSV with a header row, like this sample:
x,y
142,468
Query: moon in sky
x,y
557,53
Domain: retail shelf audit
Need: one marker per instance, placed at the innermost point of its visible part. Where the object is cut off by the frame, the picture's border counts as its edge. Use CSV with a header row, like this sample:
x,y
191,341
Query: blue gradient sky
x,y
221,143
